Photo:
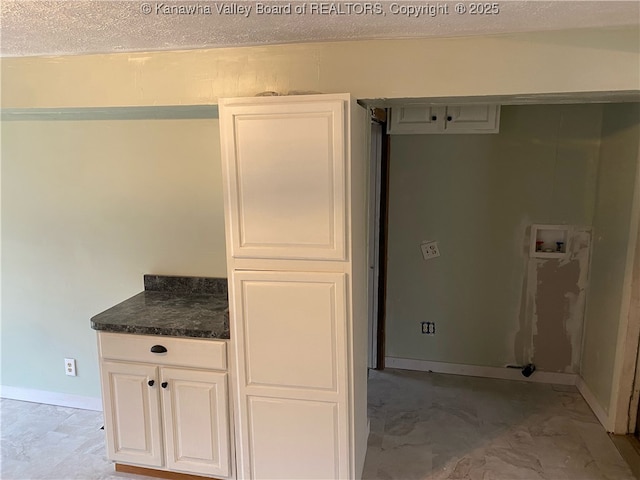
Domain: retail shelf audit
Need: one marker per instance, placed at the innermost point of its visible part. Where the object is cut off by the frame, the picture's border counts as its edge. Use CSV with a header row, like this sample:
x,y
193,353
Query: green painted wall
x,y
477,195
616,177
88,207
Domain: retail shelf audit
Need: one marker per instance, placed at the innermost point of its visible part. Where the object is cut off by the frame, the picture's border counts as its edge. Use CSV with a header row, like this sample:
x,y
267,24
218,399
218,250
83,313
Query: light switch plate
x,y
429,250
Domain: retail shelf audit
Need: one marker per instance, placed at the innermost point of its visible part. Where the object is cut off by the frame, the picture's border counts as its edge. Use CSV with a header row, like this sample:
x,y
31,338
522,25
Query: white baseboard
x,y
478,371
593,403
51,398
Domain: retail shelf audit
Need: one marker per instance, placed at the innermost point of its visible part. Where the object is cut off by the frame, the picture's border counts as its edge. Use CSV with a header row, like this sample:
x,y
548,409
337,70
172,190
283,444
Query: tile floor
x,y
423,426
45,441
430,426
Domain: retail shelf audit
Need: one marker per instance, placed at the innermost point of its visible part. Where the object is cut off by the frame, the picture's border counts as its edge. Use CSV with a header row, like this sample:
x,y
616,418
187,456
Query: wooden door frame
x,y
383,244
379,116
625,392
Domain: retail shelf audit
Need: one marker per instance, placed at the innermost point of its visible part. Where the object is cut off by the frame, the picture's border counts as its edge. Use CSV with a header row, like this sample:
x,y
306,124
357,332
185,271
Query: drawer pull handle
x,y
151,382
164,384
158,349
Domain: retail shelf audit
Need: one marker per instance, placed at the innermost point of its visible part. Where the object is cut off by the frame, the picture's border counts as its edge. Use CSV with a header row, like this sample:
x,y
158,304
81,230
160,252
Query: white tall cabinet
x,y
294,179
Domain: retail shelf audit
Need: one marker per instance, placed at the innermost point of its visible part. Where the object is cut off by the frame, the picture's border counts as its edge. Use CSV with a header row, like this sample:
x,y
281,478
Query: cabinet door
x,y
285,185
473,119
196,417
132,413
415,119
291,358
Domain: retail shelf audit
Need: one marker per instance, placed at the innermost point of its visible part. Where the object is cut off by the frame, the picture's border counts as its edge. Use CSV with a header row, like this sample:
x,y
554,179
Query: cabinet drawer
x,y
183,352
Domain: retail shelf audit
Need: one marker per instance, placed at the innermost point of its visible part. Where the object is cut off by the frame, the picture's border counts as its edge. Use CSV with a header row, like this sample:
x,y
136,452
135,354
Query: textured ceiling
x,y
80,27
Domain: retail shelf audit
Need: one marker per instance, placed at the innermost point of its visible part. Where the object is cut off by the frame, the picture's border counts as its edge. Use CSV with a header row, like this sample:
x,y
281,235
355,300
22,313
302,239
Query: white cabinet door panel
x,y
415,119
132,413
196,418
294,439
285,169
291,357
292,328
473,119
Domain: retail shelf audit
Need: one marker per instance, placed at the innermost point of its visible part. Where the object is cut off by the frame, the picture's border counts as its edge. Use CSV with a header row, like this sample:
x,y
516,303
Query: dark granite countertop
x,y
173,306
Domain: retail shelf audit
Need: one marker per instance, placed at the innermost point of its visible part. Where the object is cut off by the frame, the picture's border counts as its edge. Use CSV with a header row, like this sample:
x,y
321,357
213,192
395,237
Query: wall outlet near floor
x,y
429,250
429,328
70,367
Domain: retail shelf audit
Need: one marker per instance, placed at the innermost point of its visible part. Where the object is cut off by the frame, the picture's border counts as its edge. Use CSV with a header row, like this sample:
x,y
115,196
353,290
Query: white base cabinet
x,y
165,417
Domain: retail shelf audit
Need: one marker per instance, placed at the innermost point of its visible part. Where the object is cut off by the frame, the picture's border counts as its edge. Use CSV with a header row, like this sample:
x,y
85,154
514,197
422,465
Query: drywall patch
x,y
523,342
552,344
552,308
580,251
523,338
560,302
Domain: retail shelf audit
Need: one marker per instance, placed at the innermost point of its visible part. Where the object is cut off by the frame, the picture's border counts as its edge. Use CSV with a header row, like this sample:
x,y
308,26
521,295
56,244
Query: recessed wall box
x,y
550,241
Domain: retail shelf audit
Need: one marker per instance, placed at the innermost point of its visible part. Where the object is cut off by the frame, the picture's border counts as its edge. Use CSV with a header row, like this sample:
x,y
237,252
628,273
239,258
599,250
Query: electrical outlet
x,y
428,328
70,367
429,250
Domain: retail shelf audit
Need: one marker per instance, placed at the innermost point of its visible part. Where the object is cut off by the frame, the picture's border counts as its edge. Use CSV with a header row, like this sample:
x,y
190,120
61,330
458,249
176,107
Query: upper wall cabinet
x,y
285,178
418,119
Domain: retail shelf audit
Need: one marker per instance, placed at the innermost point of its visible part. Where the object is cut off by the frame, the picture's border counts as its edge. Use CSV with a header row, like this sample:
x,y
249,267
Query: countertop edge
x,y
174,332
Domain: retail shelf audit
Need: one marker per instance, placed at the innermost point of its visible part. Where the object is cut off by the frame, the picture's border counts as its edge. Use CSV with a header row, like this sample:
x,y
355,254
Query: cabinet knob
x,y
434,118
158,349
164,384
151,382
449,118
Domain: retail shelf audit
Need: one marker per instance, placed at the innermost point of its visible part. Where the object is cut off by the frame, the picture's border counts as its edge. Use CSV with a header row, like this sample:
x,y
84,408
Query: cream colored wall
x,y
548,62
477,195
88,207
609,267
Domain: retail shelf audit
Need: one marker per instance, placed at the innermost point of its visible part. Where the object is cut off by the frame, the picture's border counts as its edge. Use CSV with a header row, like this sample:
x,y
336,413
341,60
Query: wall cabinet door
x,y
196,420
132,413
416,119
285,178
472,119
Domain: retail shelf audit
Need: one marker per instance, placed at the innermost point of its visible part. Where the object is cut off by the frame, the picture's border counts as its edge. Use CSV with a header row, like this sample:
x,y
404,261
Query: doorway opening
x,y
548,170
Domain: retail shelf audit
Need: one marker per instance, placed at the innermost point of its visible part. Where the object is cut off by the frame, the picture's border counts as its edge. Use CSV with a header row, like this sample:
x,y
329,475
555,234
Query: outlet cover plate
x,y
70,367
429,250
428,328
